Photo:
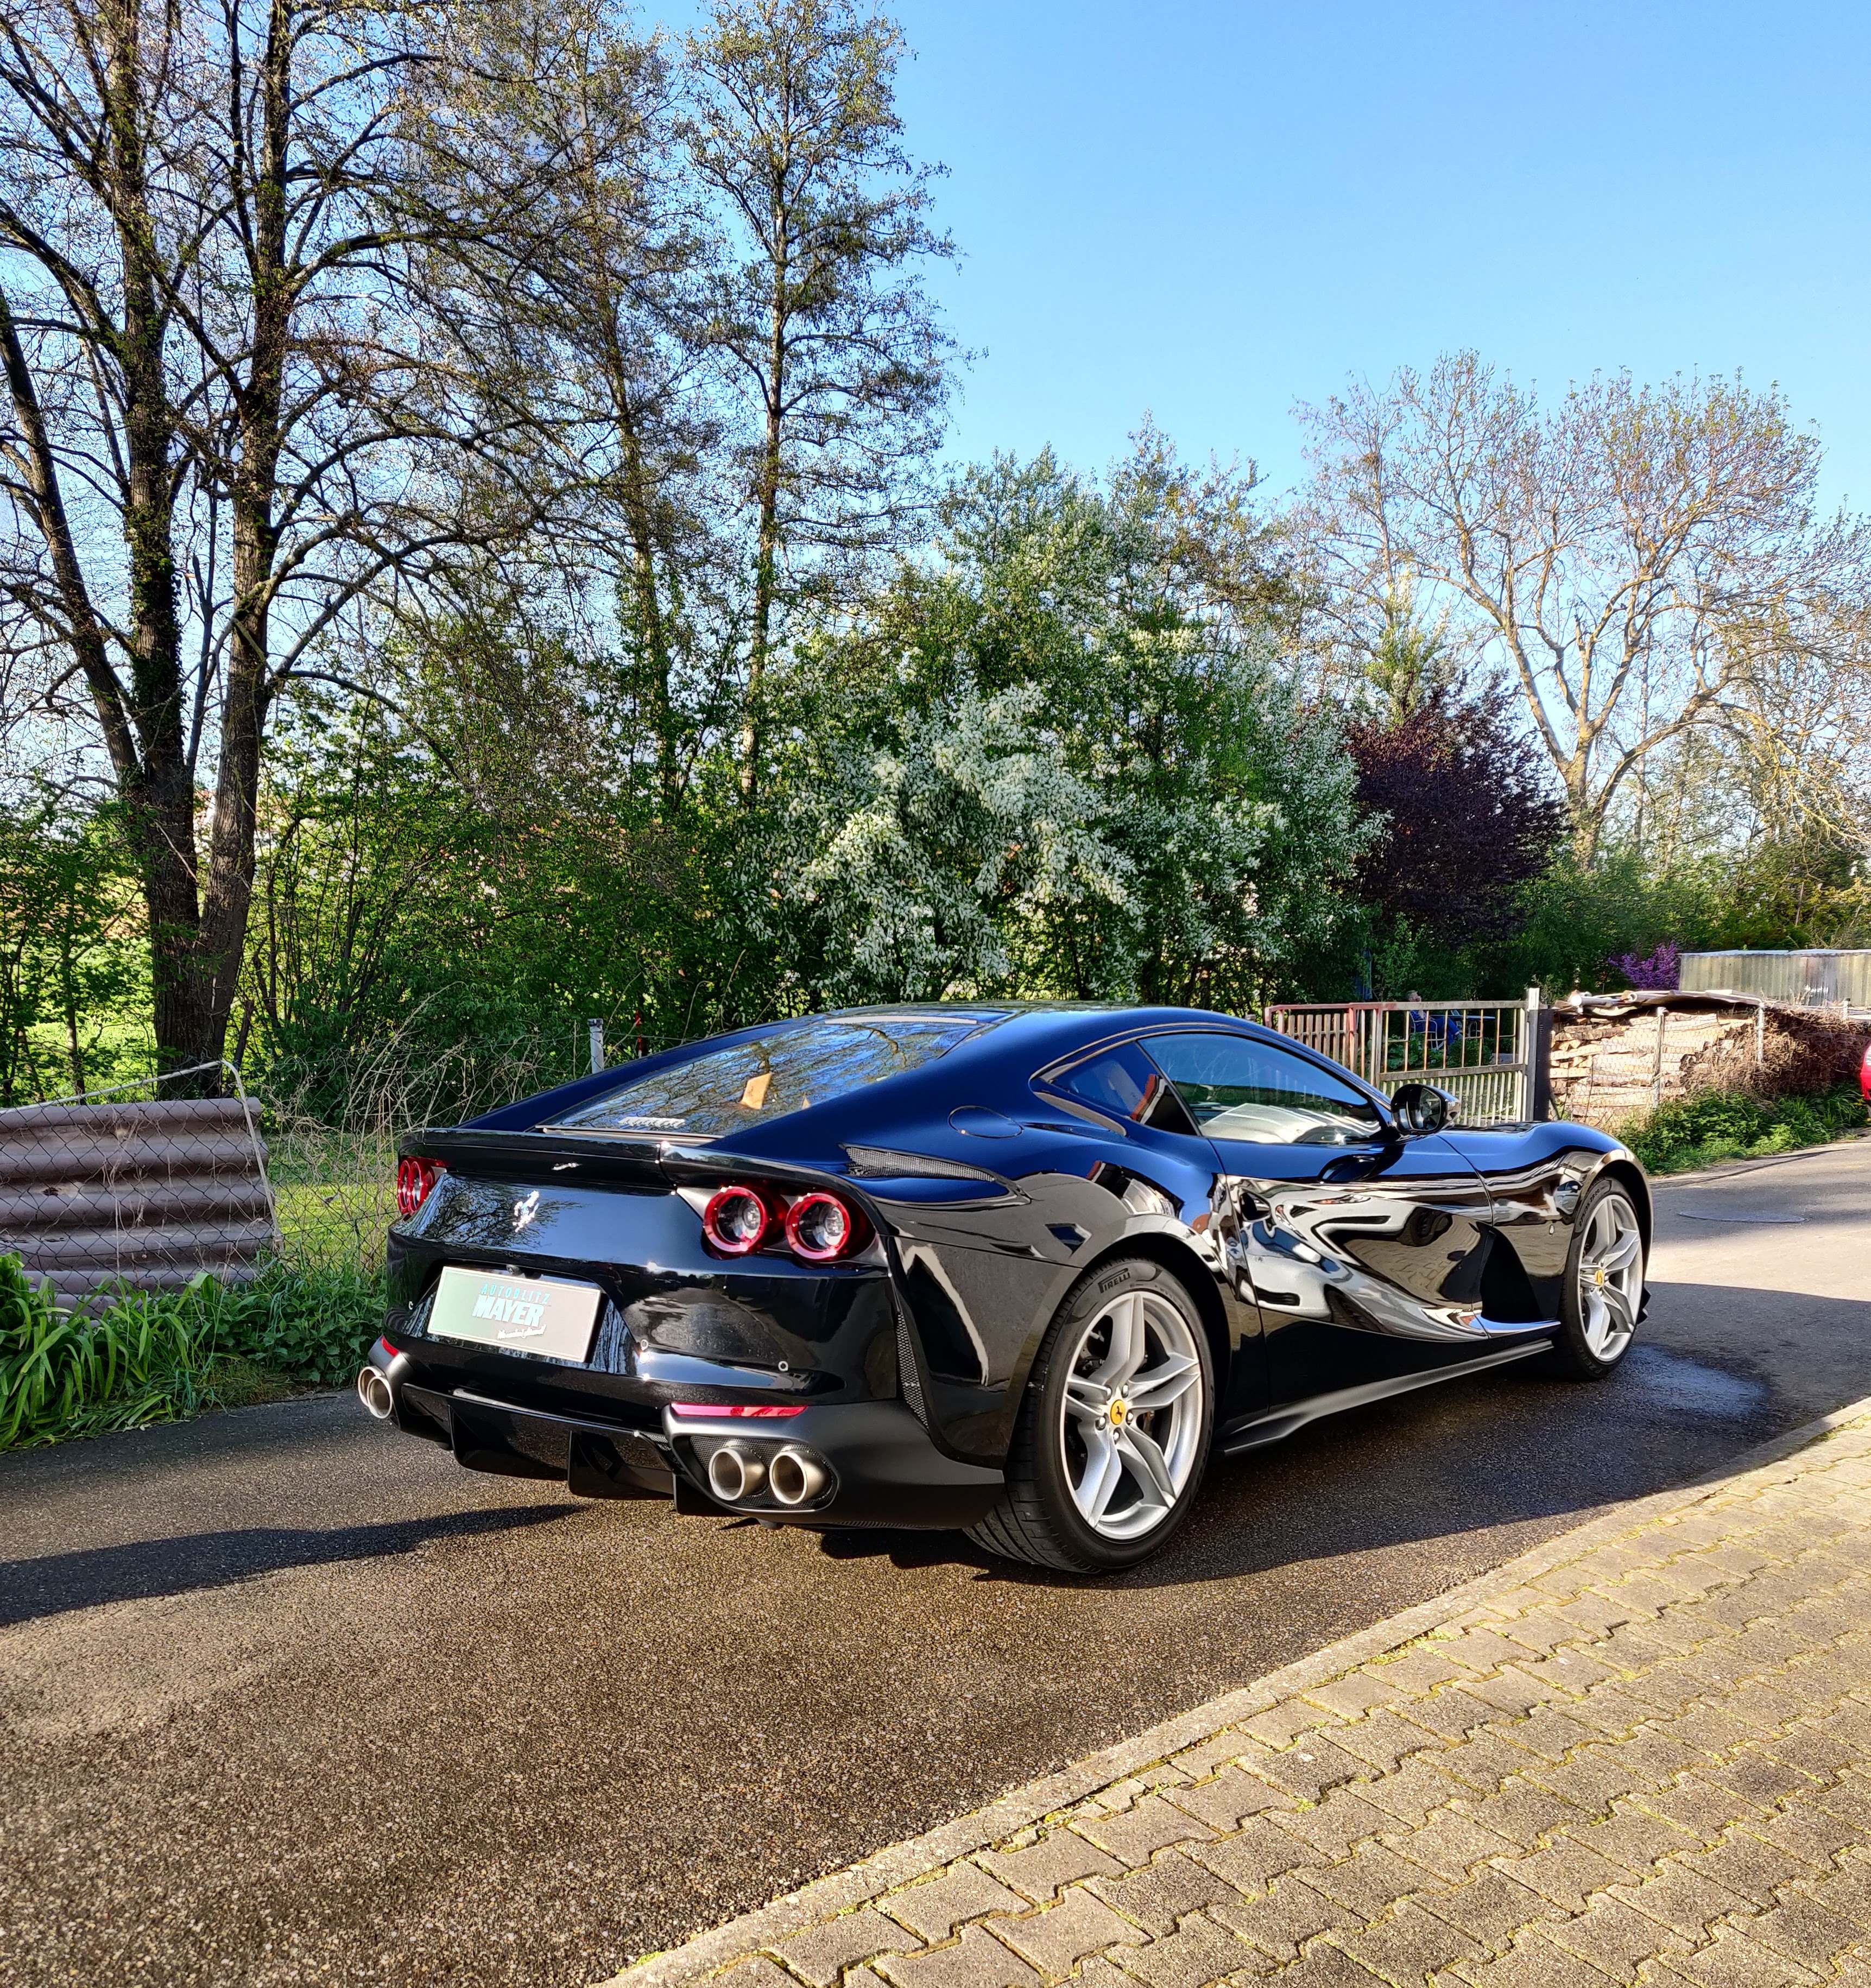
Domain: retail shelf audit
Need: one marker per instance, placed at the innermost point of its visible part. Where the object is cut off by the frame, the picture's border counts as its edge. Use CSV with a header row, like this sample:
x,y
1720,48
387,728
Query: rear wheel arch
x,y
1158,1246
1178,1259
1192,1274
1056,1508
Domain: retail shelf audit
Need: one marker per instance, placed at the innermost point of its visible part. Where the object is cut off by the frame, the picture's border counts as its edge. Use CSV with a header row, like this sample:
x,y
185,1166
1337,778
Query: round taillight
x,y
820,1227
736,1220
415,1181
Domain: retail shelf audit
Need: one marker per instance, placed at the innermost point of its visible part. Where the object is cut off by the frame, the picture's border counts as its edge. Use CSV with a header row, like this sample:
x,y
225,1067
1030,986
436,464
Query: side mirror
x,y
1422,1108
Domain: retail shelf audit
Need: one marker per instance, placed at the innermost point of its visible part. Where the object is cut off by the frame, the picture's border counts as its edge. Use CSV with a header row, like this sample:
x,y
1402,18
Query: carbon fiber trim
x,y
909,1375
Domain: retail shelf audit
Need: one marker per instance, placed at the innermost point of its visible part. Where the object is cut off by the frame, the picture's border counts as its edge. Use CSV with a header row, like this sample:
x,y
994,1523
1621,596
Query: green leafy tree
x,y
916,864
1147,621
1134,635
596,309
817,306
464,871
71,956
1410,665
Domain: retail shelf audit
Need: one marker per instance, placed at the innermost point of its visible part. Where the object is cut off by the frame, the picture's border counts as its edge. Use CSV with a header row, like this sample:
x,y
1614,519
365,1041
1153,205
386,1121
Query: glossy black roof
x,y
1017,1039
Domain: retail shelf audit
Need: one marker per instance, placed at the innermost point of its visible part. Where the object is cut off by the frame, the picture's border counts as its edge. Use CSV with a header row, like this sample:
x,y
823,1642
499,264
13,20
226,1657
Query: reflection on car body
x,y
1019,1269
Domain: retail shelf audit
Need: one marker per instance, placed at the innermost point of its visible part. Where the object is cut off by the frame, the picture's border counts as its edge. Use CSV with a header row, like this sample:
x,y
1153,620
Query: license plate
x,y
539,1315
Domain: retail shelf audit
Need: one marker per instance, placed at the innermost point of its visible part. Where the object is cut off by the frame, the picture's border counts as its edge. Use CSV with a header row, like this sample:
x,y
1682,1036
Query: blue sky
x,y
1210,213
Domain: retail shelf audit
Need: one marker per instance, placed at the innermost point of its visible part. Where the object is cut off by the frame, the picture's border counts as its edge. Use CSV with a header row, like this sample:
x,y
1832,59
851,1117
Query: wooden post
x,y
1656,1077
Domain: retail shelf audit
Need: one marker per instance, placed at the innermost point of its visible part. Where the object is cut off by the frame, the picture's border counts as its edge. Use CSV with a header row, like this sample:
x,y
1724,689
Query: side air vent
x,y
909,1375
880,1163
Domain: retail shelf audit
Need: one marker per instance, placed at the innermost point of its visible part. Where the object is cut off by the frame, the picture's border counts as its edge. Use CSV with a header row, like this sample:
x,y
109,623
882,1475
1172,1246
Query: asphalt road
x,y
288,1699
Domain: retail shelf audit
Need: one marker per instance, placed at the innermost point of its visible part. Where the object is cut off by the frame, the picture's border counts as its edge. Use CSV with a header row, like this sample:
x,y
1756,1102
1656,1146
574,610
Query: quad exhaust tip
x,y
738,1472
374,1391
798,1477
734,1474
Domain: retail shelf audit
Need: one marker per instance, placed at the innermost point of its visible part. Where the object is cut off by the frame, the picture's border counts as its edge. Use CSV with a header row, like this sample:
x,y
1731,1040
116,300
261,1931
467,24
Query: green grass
x,y
334,1220
235,1381
1713,1126
336,1196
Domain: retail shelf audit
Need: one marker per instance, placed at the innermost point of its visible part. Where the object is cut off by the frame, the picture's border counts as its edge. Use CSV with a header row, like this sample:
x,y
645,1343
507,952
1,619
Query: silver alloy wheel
x,y
1610,1277
1132,1431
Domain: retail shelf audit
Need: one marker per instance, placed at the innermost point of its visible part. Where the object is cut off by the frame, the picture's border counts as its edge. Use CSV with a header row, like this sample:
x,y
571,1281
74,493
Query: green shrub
x,y
1712,1126
315,1325
148,1357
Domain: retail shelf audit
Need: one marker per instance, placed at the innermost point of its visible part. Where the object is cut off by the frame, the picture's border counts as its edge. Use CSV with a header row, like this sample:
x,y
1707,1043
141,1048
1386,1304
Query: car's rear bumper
x,y
881,1467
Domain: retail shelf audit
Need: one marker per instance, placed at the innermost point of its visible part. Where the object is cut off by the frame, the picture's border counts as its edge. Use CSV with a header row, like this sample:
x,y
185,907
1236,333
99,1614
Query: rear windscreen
x,y
794,1064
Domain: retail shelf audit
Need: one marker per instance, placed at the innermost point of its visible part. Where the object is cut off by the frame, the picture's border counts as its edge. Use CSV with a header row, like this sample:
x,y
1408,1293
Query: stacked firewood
x,y
1615,1056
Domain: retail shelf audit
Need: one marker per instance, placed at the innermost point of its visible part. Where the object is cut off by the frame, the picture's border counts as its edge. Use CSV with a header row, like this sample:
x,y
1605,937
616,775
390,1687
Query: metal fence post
x,y
596,1028
256,1142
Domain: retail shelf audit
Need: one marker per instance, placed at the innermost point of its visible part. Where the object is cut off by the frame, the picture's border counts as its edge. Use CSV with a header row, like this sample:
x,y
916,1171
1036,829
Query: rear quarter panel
x,y
983,1269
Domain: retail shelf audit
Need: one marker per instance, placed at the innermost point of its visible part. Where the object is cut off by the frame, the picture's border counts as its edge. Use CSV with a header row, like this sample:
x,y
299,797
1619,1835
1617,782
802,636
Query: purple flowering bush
x,y
1659,972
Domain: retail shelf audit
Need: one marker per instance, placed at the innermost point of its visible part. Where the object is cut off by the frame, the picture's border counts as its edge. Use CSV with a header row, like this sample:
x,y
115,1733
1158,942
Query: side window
x,y
1124,1083
1237,1089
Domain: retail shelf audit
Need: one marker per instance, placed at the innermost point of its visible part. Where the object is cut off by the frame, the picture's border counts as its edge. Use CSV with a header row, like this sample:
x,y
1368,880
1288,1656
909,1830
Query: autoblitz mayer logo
x,y
519,1312
524,1211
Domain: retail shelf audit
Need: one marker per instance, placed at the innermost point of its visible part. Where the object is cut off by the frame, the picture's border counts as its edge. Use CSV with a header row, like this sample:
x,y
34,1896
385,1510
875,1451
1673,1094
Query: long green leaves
x,y
159,1356
144,1359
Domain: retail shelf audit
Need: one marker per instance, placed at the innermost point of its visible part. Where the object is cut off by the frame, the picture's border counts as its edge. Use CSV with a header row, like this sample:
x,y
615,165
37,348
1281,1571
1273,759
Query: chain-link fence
x,y
333,1123
333,1128
147,1183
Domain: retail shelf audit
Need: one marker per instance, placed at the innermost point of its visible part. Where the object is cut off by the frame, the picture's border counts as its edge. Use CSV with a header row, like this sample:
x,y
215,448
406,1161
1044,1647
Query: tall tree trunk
x,y
248,689
653,632
766,554
1586,809
158,794
161,795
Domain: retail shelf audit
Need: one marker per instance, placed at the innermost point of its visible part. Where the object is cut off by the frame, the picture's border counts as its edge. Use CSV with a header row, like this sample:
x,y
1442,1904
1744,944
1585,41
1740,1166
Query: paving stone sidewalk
x,y
1641,1753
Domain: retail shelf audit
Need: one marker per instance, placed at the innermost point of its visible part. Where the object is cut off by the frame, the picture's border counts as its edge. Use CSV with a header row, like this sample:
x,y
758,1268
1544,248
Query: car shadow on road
x,y
56,1583
1517,1448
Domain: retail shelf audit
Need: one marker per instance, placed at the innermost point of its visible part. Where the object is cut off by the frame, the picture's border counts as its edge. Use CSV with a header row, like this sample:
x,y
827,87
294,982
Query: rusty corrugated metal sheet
x,y
147,1193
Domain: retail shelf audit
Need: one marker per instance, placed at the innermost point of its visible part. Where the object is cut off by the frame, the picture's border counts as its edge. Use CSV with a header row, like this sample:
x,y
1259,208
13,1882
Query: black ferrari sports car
x,y
1018,1269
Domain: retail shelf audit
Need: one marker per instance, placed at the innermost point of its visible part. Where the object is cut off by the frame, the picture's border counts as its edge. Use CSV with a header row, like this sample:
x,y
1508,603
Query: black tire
x,y
1581,1351
1037,1519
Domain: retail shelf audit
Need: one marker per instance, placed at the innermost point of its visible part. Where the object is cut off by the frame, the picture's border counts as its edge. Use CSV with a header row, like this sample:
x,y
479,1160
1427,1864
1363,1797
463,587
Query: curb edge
x,y
886,1870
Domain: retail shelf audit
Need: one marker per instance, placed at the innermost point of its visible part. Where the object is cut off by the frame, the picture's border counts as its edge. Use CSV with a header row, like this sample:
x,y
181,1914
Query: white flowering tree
x,y
912,864
1070,758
